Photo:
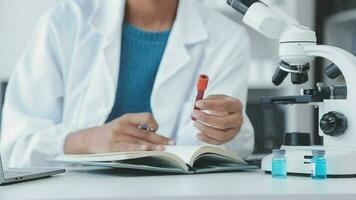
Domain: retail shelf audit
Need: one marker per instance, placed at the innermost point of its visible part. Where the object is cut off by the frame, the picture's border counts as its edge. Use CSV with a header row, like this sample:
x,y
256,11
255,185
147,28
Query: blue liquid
x,y
318,168
279,168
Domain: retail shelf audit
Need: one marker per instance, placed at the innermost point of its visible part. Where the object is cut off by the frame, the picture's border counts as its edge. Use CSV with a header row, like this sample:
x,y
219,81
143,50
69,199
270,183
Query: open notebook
x,y
175,159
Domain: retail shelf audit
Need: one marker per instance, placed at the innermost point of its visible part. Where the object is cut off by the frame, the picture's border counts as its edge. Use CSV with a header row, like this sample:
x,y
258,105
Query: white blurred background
x,y
18,19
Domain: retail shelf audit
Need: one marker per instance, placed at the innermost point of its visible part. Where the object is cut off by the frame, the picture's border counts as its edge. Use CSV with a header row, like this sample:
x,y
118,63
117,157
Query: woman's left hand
x,y
219,119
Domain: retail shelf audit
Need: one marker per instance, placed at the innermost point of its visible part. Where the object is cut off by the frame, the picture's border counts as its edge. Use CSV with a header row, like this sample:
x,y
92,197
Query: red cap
x,y
203,82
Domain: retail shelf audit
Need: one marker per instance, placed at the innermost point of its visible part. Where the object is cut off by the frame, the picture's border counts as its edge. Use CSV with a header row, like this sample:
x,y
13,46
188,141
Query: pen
x,y
201,87
149,129
146,127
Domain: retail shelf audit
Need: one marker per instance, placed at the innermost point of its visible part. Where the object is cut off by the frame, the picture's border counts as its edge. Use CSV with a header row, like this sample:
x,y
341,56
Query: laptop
x,y
14,175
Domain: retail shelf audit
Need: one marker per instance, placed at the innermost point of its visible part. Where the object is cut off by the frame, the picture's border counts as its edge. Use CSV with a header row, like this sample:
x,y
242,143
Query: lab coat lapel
x,y
108,23
179,65
101,89
188,30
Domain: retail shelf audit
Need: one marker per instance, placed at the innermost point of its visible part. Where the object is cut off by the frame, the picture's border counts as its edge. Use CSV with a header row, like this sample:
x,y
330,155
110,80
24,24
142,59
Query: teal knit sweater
x,y
141,55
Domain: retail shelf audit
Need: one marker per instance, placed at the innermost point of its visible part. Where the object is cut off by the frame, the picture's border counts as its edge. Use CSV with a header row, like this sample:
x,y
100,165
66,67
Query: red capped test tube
x,y
201,87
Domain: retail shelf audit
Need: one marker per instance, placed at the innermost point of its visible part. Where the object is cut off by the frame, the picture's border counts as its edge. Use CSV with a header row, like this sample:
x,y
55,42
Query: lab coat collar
x,y
189,24
188,30
108,18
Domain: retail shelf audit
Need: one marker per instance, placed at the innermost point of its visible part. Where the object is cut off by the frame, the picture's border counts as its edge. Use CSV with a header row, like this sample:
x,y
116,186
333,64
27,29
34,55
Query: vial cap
x,y
318,152
203,82
279,151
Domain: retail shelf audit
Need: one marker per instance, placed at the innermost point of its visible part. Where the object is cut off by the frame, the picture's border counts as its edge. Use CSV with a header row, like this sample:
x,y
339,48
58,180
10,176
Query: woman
x,y
96,71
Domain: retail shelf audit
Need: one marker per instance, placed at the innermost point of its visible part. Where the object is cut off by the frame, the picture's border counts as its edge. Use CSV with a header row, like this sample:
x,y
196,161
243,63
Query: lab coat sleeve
x,y
231,79
32,127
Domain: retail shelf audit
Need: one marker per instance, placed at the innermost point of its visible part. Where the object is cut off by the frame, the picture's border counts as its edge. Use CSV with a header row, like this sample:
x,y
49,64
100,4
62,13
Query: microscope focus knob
x,y
333,124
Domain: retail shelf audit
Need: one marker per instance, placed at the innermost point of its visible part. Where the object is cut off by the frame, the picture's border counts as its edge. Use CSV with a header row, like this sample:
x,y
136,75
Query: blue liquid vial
x,y
279,164
318,165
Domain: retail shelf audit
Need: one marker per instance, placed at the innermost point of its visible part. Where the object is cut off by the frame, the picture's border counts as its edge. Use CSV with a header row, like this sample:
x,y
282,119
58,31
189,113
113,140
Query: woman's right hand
x,y
119,135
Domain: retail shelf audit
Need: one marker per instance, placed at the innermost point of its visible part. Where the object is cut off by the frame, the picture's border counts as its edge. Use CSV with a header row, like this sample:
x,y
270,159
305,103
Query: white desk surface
x,y
107,184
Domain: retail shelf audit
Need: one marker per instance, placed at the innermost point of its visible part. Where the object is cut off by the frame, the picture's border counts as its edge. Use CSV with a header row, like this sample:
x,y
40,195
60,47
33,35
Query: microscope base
x,y
339,162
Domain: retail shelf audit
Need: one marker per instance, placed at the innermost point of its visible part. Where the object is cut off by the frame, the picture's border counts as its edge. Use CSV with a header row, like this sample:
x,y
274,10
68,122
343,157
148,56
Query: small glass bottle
x,y
279,164
318,165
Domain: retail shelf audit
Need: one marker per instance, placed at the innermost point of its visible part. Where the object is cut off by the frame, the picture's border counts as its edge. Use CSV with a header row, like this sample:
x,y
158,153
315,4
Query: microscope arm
x,y
343,59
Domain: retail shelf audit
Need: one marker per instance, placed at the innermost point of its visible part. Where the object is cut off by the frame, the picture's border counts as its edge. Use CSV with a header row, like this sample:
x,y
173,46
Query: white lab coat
x,y
66,79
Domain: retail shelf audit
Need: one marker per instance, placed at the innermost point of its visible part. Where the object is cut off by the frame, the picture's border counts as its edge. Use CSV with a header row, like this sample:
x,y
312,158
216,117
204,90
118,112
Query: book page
x,y
159,157
191,153
174,159
186,153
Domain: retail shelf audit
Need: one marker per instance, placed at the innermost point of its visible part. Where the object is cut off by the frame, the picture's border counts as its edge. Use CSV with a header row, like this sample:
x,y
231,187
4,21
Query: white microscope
x,y
337,110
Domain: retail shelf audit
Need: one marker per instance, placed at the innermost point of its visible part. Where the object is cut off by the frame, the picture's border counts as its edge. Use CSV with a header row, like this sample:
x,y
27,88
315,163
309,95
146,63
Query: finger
x,y
142,119
151,146
216,134
156,139
147,136
227,122
208,140
217,113
134,131
128,147
132,140
222,105
217,97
